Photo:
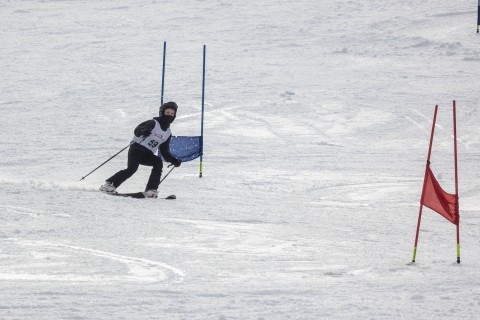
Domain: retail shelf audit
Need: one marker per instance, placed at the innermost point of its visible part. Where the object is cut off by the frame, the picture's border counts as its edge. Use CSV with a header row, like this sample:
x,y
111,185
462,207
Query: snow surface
x,y
318,116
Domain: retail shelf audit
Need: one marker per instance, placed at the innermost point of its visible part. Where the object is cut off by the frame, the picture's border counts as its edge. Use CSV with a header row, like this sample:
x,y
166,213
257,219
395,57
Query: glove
x,y
177,163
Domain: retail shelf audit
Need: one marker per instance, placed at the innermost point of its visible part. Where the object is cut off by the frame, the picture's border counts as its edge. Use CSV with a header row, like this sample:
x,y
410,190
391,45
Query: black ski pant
x,y
139,155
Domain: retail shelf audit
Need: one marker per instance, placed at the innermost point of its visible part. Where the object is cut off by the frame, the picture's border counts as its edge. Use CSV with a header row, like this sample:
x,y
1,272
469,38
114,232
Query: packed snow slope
x,y
317,123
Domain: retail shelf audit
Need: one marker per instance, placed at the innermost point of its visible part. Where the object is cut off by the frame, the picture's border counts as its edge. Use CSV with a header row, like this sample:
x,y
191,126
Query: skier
x,y
149,137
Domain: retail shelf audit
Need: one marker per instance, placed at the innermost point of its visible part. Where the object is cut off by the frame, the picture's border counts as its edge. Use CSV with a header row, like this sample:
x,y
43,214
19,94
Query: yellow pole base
x,y
414,254
458,253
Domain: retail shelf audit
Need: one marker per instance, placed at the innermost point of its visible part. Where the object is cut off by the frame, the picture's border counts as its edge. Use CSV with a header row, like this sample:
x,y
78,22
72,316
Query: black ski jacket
x,y
164,148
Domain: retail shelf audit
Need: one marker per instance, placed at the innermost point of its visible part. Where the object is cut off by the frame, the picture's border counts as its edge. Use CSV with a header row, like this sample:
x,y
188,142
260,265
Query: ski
x,y
139,195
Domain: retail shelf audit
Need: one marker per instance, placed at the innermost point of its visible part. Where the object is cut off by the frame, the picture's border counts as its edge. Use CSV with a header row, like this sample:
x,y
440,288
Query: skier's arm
x,y
165,151
144,128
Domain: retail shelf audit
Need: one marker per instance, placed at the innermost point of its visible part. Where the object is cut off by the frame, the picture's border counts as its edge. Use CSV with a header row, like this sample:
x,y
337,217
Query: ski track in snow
x,y
139,269
21,210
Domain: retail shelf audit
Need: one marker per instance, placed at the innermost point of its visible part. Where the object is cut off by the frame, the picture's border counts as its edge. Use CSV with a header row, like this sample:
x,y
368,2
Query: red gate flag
x,y
433,196
438,200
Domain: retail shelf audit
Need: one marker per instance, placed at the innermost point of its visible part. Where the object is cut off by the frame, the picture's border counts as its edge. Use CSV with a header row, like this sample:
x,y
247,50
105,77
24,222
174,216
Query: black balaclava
x,y
167,120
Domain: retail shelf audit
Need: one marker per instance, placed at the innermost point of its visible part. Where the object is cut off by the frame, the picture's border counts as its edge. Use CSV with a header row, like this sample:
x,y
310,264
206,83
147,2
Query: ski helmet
x,y
168,105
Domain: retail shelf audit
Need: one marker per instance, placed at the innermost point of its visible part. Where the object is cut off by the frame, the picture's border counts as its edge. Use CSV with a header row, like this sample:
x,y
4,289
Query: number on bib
x,y
153,143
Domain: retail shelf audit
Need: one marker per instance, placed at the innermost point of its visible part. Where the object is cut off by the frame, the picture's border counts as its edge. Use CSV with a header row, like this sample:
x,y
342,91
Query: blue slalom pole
x,y
478,16
203,111
163,68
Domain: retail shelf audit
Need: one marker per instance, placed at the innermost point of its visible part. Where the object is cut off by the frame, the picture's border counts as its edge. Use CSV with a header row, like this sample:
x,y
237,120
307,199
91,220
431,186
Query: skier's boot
x,y
151,194
108,187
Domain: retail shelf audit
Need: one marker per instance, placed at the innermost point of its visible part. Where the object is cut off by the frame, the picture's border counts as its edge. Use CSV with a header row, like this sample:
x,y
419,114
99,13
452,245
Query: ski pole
x,y
167,174
116,154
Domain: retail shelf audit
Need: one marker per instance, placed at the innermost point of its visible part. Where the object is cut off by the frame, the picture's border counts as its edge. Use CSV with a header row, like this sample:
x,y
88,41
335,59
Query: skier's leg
x,y
155,174
135,156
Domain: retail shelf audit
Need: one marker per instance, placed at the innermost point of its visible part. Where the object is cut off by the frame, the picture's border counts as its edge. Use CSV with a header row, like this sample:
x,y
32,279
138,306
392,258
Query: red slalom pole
x,y
456,177
424,183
